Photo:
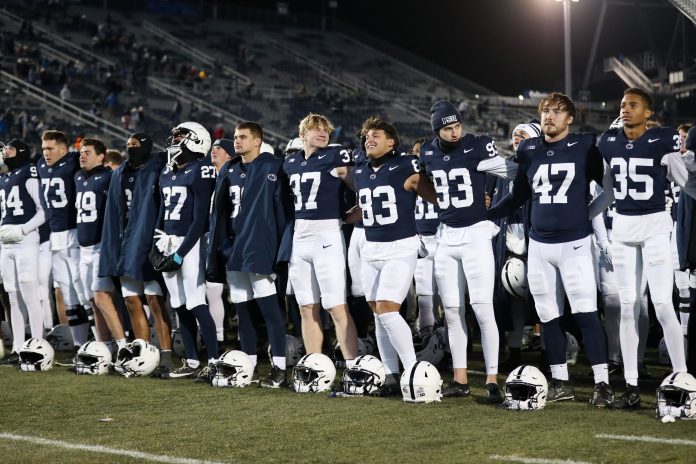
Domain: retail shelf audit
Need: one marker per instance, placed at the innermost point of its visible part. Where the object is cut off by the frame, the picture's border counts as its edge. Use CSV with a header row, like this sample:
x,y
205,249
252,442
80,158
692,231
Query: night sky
x,y
508,46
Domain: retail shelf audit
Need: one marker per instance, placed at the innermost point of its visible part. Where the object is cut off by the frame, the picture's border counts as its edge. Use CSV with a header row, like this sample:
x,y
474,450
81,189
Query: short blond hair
x,y
314,121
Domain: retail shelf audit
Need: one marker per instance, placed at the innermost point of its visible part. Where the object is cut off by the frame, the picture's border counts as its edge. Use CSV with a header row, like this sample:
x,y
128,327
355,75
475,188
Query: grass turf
x,y
183,419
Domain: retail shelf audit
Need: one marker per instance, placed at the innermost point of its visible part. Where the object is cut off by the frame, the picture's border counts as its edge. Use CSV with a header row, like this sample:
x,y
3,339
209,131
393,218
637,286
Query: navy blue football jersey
x,y
359,159
427,220
557,176
58,187
183,191
16,205
387,208
460,186
639,177
316,192
90,202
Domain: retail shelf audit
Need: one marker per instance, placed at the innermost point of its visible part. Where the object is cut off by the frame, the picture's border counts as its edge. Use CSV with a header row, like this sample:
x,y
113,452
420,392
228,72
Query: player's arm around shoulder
x,y
418,181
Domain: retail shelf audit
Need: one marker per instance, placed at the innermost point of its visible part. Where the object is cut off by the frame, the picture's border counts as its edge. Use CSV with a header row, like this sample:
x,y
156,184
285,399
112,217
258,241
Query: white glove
x,y
669,201
11,233
164,241
604,250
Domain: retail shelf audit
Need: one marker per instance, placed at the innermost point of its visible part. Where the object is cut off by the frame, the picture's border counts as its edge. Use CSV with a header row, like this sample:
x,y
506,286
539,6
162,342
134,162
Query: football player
x,y
57,172
639,161
387,186
254,186
221,152
555,171
129,222
512,241
458,164
22,214
317,267
92,185
186,186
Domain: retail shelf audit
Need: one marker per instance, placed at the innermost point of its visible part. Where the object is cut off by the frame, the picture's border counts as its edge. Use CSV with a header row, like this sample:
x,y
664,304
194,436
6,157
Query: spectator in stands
x,y
65,93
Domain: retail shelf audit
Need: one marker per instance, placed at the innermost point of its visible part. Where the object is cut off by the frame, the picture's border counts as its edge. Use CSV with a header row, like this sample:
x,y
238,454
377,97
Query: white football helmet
x,y
364,377
663,354
233,369
60,338
36,355
525,389
421,383
294,350
189,140
293,146
572,349
431,347
93,358
314,372
137,359
514,277
338,355
676,397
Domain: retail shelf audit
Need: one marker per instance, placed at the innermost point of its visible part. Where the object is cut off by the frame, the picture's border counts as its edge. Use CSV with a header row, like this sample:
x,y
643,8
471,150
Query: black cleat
x,y
275,379
456,390
183,371
11,359
602,395
629,400
493,395
206,375
559,390
390,388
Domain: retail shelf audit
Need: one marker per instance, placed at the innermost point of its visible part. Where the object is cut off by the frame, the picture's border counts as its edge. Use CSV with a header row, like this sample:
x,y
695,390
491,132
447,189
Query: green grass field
x,y
183,419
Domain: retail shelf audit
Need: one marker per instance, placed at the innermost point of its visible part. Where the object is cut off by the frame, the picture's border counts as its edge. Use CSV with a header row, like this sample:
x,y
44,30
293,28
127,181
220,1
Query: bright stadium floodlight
x,y
566,46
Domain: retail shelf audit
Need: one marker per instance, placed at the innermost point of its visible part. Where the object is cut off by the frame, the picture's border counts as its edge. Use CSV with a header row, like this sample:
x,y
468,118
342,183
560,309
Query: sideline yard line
x,y
647,439
105,450
526,460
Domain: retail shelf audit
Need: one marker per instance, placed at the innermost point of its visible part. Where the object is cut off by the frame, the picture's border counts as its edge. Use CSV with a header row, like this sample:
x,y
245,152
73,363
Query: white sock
x,y
559,371
601,373
279,362
48,314
456,333
400,337
628,332
490,338
387,352
17,321
213,294
120,343
253,360
684,318
673,335
193,363
80,333
350,363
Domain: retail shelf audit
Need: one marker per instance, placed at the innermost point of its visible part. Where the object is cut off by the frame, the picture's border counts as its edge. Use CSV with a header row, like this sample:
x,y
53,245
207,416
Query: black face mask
x,y
137,156
16,161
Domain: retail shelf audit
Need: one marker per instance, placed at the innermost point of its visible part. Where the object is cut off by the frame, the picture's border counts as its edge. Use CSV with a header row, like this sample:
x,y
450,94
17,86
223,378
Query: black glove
x,y
161,263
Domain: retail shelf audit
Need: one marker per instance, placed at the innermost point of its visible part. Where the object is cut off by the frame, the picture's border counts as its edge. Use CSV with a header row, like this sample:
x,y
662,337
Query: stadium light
x,y
566,46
